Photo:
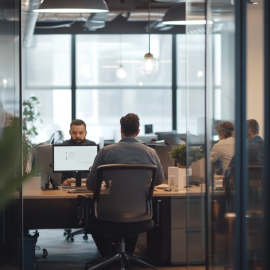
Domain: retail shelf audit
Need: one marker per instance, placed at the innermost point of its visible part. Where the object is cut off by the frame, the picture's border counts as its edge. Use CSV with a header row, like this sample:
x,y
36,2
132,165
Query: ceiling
x,y
124,16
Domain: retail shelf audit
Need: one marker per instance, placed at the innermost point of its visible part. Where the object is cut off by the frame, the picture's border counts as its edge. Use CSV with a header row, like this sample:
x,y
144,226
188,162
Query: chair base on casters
x,y
70,235
121,256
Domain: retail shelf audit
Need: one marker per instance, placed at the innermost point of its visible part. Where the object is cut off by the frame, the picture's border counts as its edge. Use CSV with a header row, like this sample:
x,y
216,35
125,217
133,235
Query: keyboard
x,y
80,190
68,187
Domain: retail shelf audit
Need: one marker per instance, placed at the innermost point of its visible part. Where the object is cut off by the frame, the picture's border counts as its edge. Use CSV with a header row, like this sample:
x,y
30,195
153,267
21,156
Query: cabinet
x,y
175,236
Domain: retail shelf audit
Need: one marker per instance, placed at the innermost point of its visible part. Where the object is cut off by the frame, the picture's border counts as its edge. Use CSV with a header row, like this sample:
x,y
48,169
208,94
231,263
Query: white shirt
x,y
223,150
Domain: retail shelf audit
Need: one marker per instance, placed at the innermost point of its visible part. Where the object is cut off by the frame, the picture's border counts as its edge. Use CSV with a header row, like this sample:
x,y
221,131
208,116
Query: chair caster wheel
x,y
45,253
85,237
65,234
71,239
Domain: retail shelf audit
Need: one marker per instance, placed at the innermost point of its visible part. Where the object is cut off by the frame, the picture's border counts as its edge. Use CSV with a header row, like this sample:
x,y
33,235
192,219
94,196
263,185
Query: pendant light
x,y
150,64
72,6
121,73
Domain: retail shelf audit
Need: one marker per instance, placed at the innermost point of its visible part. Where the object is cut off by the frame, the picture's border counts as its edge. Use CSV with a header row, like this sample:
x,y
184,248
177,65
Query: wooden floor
x,y
73,255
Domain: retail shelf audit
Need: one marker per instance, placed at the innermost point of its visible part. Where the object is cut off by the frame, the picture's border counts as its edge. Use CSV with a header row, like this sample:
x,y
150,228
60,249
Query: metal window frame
x,y
240,132
74,86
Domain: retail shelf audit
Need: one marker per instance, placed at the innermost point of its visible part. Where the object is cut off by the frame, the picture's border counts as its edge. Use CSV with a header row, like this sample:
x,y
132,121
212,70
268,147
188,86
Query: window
x,y
99,56
55,115
102,109
48,77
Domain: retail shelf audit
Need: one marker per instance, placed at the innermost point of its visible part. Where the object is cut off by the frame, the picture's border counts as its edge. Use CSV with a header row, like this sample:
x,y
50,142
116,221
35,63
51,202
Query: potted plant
x,y
184,161
179,154
31,120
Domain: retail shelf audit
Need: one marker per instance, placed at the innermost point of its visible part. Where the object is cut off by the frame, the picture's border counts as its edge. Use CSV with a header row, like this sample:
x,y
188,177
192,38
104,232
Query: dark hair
x,y
77,122
225,129
253,125
130,124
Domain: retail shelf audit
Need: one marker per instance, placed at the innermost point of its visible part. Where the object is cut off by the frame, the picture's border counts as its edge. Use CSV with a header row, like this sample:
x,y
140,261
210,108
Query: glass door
x,y
196,144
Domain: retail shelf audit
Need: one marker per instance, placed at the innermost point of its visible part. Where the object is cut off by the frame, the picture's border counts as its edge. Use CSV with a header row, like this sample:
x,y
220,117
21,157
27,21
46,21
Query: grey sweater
x,y
128,150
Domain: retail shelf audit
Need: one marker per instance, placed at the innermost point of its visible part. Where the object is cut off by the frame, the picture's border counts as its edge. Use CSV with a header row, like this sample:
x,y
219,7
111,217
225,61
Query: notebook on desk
x,y
162,186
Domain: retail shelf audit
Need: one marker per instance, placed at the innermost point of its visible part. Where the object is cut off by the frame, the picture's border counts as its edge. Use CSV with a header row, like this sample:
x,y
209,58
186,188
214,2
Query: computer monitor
x,y
148,129
162,135
42,164
147,138
74,158
165,160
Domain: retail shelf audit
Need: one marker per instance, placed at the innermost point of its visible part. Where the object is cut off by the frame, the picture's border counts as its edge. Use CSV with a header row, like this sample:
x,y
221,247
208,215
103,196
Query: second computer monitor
x,y
148,129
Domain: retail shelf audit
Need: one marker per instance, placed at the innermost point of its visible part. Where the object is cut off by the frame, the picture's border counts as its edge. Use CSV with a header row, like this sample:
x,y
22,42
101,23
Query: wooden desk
x,y
57,209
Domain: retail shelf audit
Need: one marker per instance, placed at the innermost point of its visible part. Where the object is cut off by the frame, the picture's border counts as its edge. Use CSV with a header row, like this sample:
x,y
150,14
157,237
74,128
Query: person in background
x,y
78,133
255,144
224,149
127,150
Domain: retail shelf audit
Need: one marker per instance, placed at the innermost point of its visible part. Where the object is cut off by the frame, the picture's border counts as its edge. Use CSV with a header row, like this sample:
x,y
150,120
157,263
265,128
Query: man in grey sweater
x,y
128,150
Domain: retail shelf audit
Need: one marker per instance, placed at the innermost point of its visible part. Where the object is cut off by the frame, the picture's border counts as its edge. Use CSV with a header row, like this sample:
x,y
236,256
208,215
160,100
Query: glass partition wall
x,y
195,66
10,108
225,118
215,98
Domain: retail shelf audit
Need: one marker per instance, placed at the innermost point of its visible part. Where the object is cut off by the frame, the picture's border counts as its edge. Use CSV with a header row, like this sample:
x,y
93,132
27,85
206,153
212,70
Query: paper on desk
x,y
83,179
162,186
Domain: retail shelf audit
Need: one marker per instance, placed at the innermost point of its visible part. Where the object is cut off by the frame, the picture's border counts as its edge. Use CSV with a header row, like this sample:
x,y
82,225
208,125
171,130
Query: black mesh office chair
x,y
123,210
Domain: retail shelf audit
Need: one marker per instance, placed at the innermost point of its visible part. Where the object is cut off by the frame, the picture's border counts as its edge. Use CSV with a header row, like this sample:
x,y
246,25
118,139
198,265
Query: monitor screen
x,y
148,129
73,158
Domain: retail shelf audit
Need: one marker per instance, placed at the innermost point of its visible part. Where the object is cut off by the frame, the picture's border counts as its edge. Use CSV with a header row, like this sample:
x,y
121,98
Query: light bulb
x,y
200,73
121,73
149,67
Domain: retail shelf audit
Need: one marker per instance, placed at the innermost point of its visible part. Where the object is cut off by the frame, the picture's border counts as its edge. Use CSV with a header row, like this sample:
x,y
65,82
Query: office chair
x,y
254,203
70,235
123,210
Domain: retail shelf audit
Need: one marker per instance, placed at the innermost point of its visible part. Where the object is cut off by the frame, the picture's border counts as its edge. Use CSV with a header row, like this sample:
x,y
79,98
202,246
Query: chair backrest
x,y
255,180
254,186
128,193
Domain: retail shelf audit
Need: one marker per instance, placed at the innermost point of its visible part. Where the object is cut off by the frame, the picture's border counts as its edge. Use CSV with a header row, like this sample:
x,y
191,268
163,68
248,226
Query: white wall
x,y
255,66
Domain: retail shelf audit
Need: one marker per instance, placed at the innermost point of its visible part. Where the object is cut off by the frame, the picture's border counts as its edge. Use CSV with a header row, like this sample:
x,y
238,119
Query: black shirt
x,y
68,175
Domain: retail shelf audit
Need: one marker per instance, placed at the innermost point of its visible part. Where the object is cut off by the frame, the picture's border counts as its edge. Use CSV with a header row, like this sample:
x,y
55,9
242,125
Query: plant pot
x,y
181,166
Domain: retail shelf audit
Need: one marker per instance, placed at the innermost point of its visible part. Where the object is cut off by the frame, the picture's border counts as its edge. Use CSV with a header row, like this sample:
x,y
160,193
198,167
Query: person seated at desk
x,y
255,144
78,133
223,151
127,150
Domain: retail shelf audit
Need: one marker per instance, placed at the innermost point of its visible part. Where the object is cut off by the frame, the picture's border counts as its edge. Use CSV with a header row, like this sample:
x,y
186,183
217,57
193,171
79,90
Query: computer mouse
x,y
168,189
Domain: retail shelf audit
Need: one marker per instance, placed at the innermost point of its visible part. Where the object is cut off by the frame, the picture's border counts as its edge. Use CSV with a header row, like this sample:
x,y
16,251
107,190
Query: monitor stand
x,y
78,179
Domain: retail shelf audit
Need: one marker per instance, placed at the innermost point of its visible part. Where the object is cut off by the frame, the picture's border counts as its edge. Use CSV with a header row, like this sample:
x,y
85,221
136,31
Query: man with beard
x,y
78,133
